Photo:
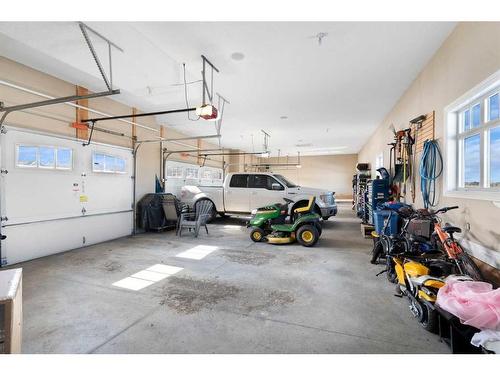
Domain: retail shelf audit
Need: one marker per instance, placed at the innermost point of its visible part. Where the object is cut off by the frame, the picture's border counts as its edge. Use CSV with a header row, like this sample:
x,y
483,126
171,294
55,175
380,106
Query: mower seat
x,y
308,208
450,229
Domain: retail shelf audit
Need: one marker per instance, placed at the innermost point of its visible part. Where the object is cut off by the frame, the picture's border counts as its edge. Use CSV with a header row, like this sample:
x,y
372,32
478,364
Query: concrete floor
x,y
242,298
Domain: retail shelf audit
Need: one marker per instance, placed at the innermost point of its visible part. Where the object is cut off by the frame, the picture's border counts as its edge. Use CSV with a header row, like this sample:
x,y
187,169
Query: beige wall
x,y
466,58
57,118
329,172
241,163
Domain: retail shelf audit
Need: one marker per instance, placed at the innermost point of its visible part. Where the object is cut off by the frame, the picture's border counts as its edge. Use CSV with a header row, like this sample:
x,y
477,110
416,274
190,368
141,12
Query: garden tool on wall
x,y
394,188
417,125
392,156
403,151
407,144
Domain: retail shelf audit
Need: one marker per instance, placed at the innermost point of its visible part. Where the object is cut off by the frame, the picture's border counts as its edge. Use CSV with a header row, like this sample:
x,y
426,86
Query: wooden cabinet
x,y
11,310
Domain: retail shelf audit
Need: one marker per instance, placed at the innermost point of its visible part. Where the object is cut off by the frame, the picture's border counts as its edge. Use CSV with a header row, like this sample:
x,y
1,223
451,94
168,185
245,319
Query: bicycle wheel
x,y
468,266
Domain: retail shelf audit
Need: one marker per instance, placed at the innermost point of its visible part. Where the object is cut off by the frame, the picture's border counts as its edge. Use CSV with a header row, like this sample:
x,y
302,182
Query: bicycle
x,y
443,238
408,244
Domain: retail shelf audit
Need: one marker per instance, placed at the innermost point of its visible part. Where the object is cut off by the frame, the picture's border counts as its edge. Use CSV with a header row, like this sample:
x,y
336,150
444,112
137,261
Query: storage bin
x,y
380,217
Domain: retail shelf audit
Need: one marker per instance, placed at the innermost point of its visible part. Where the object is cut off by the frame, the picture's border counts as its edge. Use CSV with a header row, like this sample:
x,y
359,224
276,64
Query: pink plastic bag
x,y
476,303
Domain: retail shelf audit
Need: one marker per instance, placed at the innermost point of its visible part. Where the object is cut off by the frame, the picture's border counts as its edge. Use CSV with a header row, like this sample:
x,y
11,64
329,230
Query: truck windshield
x,y
285,181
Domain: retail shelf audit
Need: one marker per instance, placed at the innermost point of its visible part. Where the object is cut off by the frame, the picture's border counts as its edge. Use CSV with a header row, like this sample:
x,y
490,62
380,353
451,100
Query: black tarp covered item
x,y
151,212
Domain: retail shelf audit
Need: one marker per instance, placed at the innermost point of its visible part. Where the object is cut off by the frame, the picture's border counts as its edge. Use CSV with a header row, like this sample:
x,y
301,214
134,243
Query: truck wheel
x,y
307,235
257,234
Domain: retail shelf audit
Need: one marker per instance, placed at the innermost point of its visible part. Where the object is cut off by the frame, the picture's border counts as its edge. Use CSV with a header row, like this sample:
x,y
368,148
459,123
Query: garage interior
x,y
105,124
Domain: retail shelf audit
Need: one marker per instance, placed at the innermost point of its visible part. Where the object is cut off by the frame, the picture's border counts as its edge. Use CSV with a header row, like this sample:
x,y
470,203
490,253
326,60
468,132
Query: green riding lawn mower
x,y
274,225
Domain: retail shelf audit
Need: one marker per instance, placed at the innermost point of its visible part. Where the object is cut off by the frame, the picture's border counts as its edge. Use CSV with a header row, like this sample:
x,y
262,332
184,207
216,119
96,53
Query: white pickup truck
x,y
243,192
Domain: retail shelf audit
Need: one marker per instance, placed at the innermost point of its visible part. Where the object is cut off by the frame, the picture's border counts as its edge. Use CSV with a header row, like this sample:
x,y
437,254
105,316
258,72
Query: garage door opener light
x,y
207,112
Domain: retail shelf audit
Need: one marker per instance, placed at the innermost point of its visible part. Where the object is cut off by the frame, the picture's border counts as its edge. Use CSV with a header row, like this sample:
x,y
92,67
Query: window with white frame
x,y
64,158
192,173
44,157
105,163
473,142
217,174
206,174
174,172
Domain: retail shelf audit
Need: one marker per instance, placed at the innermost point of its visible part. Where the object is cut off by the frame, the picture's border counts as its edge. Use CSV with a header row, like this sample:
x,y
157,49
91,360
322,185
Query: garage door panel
x,y
32,196
30,241
53,210
113,193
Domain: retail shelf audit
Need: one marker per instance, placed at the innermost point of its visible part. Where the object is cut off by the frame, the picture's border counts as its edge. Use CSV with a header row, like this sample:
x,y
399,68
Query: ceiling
x,y
332,94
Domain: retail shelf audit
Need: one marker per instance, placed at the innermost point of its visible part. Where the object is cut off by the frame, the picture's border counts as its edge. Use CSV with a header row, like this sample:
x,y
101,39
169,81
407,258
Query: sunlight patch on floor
x,y
197,252
147,277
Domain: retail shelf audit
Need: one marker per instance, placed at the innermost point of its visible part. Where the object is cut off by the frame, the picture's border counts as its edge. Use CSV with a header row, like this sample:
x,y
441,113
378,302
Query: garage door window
x,y
192,173
174,172
64,158
47,157
206,174
44,157
120,165
217,175
105,163
109,163
98,163
27,156
473,143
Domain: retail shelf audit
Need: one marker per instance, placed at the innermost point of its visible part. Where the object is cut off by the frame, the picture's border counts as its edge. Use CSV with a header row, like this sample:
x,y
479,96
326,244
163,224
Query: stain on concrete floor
x,y
112,266
344,272
188,295
251,257
296,259
269,300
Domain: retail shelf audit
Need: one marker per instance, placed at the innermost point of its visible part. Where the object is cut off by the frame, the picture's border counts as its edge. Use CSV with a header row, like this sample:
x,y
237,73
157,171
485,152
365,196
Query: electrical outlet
x,y
467,226
84,240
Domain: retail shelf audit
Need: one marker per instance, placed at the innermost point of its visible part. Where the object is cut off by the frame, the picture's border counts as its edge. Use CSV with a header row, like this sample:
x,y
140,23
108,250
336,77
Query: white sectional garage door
x,y
178,174
58,195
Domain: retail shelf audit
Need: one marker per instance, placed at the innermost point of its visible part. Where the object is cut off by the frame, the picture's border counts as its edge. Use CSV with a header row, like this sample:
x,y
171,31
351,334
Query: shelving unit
x,y
11,311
